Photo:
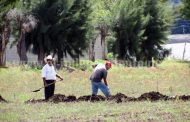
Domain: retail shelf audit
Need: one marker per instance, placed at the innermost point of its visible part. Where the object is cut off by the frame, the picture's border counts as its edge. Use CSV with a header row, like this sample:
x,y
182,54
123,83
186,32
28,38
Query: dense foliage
x,y
62,28
5,6
186,9
130,29
141,29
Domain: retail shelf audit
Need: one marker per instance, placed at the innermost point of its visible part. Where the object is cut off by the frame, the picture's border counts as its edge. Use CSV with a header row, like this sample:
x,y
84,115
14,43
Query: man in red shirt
x,y
99,73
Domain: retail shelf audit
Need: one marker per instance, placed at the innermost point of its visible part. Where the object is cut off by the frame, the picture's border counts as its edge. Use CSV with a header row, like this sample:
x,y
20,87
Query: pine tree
x,y
156,30
186,10
62,29
44,38
128,29
23,23
102,17
5,30
141,29
76,35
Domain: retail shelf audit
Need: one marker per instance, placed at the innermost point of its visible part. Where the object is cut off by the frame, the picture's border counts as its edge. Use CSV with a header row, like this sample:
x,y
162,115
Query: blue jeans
x,y
101,86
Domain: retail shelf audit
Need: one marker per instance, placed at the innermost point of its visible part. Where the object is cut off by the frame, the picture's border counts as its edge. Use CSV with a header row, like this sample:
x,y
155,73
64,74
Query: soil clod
x,y
91,98
152,96
119,97
55,99
184,97
62,98
35,101
3,100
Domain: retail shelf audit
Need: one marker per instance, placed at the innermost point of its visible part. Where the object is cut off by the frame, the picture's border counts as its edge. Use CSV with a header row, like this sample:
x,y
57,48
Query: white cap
x,y
49,57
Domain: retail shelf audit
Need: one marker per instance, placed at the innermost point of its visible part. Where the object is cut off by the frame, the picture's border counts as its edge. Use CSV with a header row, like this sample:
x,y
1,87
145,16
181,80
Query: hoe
x,y
37,90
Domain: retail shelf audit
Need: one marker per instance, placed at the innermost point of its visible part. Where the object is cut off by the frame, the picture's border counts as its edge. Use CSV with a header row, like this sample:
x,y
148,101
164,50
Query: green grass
x,y
172,77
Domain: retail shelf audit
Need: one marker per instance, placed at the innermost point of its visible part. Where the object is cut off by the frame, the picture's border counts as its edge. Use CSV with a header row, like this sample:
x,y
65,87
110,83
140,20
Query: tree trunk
x,y
41,56
21,48
3,43
41,53
150,64
103,41
91,51
60,60
60,56
2,59
103,33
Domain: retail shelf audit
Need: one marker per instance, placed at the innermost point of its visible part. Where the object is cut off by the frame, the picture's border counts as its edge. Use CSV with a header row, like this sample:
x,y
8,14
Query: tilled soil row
x,y
119,97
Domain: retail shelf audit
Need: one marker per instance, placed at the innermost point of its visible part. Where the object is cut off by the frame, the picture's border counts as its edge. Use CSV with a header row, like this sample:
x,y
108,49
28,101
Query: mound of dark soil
x,y
119,97
62,98
152,96
55,99
3,100
184,97
91,98
35,101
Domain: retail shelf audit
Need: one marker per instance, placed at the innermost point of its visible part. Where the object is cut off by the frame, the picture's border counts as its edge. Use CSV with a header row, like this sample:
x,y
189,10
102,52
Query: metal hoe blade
x,y
36,90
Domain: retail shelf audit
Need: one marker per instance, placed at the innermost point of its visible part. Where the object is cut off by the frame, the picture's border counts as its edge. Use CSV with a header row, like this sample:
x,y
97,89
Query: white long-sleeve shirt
x,y
48,72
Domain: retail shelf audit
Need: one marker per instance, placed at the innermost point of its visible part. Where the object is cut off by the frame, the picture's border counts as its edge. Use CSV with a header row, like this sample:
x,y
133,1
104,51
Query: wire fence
x,y
84,64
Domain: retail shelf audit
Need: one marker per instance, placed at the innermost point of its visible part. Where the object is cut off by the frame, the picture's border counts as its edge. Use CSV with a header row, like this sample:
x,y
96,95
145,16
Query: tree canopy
x,y
141,29
186,10
130,29
62,28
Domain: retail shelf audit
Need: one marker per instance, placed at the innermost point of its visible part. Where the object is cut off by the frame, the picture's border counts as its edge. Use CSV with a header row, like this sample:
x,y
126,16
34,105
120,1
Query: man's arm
x,y
59,77
44,75
44,79
105,81
94,66
105,77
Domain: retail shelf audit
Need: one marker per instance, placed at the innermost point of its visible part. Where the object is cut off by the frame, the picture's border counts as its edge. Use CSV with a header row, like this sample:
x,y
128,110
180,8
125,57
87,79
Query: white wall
x,y
177,50
12,56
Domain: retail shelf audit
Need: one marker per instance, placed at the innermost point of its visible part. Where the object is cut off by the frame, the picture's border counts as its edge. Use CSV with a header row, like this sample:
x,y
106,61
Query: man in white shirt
x,y
49,77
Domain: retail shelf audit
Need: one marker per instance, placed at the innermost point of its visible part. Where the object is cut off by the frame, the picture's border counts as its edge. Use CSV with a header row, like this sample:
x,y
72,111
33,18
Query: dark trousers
x,y
49,90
